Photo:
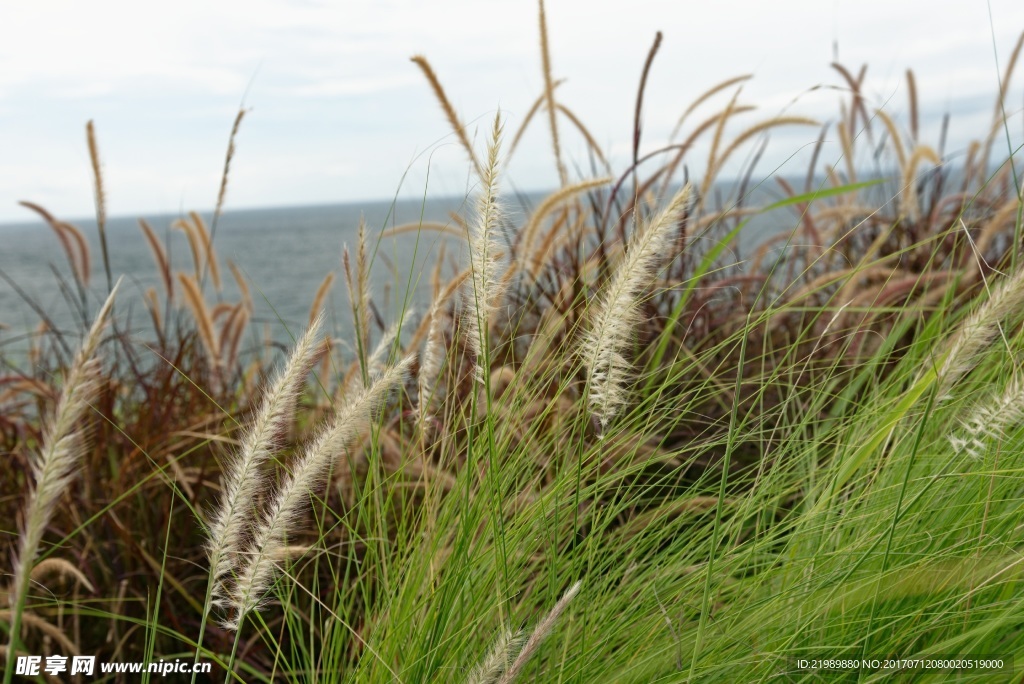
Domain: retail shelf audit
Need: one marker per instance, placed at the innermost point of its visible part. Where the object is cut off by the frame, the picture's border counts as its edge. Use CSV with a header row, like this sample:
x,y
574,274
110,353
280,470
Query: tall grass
x,y
609,451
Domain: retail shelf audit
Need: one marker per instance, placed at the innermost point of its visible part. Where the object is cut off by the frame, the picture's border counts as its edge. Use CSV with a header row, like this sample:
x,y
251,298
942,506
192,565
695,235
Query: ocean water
x,y
284,254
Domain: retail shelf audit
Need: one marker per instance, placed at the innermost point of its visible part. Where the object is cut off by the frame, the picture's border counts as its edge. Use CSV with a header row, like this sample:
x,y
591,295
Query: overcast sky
x,y
339,113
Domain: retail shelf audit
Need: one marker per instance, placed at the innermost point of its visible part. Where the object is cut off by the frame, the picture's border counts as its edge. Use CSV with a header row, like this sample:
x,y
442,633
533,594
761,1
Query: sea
x,y
283,253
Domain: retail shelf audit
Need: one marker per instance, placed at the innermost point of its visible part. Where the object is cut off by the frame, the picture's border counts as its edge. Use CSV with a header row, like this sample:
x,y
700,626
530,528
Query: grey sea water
x,y
284,254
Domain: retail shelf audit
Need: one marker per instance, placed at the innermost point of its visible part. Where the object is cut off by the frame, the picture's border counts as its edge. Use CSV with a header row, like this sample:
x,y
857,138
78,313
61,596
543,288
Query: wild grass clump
x,y
609,450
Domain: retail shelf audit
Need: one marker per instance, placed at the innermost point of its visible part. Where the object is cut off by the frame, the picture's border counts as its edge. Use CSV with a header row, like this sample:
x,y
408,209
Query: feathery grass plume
x,y
498,660
55,464
483,250
242,479
259,564
977,331
998,115
153,304
100,196
433,356
421,226
239,322
539,634
449,110
614,319
549,93
714,120
897,139
716,141
990,420
430,361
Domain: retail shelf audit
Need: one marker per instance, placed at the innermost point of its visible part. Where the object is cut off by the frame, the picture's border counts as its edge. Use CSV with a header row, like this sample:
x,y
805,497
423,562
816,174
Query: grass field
x,y
611,450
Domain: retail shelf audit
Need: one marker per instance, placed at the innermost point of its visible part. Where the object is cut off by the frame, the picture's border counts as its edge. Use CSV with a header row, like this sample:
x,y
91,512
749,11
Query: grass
x,y
607,452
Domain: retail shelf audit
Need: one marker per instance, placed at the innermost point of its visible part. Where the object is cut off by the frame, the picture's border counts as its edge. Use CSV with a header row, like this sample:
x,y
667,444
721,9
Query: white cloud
x,y
339,112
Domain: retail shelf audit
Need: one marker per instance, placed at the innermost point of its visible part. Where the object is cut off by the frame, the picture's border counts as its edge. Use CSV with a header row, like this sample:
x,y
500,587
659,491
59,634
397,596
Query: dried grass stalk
x,y
228,156
549,93
201,314
243,287
534,108
160,256
449,111
100,197
206,240
529,232
71,241
321,295
591,140
710,92
540,633
195,244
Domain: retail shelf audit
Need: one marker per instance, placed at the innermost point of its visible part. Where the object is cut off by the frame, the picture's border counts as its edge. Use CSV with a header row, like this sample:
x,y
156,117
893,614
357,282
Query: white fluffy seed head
x,y
243,481
54,467
978,331
615,315
498,660
256,568
539,634
485,284
989,421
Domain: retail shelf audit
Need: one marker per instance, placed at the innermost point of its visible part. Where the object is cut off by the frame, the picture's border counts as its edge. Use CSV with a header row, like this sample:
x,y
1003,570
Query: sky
x,y
338,113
